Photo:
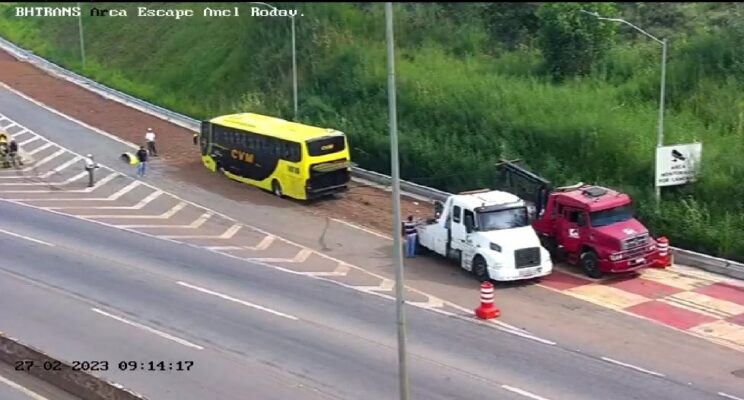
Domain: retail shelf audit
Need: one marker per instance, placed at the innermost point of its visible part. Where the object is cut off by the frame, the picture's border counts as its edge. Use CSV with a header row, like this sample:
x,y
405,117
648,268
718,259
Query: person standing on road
x,y
13,153
90,166
142,158
409,232
150,138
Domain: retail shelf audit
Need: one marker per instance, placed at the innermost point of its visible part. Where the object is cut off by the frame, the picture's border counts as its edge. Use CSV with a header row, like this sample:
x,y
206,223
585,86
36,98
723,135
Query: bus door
x,y
205,137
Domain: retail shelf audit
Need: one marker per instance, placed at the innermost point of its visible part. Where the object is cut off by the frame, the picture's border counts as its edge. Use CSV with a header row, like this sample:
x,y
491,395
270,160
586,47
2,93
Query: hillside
x,y
475,84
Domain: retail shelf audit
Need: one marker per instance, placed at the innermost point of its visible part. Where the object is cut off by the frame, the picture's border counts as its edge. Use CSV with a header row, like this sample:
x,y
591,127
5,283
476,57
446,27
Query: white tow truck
x,y
489,233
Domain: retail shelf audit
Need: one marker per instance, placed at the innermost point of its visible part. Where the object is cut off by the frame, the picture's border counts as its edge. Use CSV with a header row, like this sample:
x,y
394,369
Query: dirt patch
x,y
363,205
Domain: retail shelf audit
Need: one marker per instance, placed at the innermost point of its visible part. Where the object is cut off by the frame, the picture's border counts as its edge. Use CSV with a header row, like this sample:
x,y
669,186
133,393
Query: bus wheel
x,y
276,188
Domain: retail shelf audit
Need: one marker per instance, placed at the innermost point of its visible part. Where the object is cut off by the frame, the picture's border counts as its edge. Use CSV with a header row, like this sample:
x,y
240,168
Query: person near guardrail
x,y
142,158
150,139
90,167
409,233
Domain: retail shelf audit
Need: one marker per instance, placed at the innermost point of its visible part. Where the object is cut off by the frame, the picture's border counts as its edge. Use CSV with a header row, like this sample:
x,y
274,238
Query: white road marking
x,y
243,302
152,196
178,207
264,244
728,396
148,329
65,182
341,270
61,167
26,237
301,257
431,302
40,148
631,366
194,225
384,286
113,197
522,392
42,161
22,389
67,117
25,142
229,233
361,228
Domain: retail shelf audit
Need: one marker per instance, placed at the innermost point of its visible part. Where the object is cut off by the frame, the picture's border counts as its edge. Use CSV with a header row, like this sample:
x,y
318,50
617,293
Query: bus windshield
x,y
503,219
326,145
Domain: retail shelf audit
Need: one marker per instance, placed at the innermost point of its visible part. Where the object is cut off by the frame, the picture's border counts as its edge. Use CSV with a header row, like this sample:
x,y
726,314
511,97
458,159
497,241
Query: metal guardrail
x,y
714,264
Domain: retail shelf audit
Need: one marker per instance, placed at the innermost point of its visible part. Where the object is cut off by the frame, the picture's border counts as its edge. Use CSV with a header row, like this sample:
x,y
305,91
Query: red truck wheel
x,y
590,264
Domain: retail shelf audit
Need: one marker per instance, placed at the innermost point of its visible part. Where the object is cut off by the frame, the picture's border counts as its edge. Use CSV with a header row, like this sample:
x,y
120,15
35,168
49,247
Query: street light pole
x,y
80,30
397,245
662,89
294,57
294,69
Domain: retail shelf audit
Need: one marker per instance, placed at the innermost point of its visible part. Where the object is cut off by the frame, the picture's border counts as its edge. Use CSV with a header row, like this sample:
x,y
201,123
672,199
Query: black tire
x,y
590,264
480,269
276,188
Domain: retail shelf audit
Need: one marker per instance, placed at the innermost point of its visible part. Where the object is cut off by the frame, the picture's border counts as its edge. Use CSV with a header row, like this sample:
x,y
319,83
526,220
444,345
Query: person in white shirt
x,y
90,166
150,139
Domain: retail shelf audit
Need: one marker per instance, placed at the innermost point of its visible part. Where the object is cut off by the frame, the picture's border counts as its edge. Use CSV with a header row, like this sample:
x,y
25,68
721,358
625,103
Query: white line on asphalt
x,y
40,148
178,207
25,142
148,329
341,270
22,389
67,117
631,366
113,197
69,180
361,228
194,225
728,396
431,302
26,237
243,302
152,196
41,162
61,167
384,286
522,392
300,257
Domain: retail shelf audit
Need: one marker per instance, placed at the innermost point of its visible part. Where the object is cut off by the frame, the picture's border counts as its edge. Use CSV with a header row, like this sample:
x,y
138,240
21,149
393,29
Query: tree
x,y
571,41
512,24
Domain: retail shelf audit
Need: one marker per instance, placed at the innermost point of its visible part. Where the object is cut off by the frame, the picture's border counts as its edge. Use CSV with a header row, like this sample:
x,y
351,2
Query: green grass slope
x,y
465,98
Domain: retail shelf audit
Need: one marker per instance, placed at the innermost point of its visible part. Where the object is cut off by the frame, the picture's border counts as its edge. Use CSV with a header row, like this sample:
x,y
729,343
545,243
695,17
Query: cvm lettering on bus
x,y
242,156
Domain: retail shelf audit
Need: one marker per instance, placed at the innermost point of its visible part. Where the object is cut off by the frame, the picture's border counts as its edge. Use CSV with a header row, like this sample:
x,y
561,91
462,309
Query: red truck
x,y
590,226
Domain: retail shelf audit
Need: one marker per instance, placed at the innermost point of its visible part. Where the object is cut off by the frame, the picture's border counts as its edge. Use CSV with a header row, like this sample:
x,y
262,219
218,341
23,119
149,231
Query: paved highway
x,y
83,291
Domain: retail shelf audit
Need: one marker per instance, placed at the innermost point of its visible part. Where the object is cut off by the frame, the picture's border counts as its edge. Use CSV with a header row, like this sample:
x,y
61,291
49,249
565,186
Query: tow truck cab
x,y
595,227
489,234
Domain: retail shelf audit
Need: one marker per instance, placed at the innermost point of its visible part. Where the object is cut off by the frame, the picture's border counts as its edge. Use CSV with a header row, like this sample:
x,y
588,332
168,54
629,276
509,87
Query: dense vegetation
x,y
575,97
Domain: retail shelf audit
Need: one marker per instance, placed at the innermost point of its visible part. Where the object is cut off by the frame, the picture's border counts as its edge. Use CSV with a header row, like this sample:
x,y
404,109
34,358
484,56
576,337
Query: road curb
x,y
78,383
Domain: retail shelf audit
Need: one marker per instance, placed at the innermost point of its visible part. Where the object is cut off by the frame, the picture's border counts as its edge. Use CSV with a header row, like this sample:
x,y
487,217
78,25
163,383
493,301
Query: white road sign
x,y
678,164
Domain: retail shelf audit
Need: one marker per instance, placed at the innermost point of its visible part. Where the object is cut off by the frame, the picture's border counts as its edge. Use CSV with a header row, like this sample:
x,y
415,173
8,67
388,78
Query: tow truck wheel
x,y
590,264
480,269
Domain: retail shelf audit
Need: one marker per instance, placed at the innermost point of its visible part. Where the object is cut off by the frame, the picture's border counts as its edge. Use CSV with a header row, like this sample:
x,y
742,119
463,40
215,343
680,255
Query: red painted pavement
x,y
670,315
644,287
724,291
739,319
562,281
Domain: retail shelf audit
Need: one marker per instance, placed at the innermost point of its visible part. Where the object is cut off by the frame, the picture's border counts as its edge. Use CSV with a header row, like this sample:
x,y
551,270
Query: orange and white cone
x,y
665,258
487,309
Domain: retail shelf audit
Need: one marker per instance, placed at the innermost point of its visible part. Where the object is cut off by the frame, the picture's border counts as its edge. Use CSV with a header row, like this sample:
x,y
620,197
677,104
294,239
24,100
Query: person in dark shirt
x,y
13,153
142,158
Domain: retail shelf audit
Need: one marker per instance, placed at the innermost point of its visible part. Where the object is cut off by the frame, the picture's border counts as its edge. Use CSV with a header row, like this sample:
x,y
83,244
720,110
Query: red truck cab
x,y
595,227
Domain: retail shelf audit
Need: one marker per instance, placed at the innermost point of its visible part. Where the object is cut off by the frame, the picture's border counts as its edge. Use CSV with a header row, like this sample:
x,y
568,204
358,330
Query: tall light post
x,y
80,33
397,245
663,42
294,56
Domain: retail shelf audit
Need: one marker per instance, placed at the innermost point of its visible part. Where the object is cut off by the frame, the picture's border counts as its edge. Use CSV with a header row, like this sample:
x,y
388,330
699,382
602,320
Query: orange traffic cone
x,y
487,309
665,258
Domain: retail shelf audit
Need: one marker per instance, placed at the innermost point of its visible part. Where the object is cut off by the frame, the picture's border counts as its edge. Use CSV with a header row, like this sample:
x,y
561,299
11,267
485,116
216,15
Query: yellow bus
x,y
289,159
